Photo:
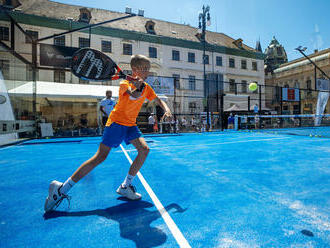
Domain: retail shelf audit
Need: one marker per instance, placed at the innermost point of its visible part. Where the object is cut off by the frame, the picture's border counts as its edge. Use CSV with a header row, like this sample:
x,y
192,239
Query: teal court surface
x,y
219,189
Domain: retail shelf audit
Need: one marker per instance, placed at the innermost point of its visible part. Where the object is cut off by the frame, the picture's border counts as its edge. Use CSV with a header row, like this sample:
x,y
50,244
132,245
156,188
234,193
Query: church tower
x,y
258,46
275,55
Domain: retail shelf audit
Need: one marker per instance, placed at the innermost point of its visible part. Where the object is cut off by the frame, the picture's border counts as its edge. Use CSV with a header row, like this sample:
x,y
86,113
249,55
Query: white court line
x,y
167,218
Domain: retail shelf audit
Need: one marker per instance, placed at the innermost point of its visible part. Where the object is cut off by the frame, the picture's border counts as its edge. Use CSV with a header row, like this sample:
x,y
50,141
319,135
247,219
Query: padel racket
x,y
90,64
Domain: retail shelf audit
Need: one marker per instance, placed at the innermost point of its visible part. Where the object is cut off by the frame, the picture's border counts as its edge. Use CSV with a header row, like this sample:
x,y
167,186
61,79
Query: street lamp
x,y
204,19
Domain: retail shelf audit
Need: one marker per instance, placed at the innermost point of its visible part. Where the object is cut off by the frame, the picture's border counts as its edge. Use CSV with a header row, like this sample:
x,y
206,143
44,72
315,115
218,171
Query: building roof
x,y
62,11
311,56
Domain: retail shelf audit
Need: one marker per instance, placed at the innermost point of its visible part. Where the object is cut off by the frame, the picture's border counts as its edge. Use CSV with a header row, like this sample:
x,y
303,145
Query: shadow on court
x,y
133,218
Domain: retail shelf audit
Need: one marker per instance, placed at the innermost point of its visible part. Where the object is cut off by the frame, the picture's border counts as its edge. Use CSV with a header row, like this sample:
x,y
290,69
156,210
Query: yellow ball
x,y
253,86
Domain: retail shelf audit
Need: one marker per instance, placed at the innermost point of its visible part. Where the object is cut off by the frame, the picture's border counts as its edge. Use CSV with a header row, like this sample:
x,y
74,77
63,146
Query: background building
x,y
275,55
297,74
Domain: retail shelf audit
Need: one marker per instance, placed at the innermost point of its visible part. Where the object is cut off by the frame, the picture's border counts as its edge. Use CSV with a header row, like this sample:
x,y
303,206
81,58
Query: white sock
x,y
128,180
67,186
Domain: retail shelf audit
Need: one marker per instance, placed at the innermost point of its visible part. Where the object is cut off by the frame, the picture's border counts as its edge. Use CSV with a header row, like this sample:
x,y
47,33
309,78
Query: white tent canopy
x,y
240,103
64,90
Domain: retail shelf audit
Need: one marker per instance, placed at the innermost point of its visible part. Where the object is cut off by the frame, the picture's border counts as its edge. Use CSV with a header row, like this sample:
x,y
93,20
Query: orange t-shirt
x,y
128,107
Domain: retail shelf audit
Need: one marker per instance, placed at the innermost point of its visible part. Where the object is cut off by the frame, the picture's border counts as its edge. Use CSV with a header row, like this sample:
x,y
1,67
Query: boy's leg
x,y
91,163
141,146
126,189
58,190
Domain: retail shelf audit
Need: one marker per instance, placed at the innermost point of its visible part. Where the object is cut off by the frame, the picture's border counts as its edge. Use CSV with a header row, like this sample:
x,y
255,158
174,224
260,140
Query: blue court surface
x,y
219,189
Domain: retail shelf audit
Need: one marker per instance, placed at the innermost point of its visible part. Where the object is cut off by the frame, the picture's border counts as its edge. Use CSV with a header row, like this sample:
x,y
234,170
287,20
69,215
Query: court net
x,y
303,125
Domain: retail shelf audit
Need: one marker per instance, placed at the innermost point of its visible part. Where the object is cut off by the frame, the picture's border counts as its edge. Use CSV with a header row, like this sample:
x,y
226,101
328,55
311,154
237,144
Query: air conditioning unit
x,y
128,10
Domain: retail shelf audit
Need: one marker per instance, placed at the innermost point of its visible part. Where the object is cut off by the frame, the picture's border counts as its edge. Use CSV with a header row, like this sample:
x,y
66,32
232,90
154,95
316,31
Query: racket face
x,y
94,65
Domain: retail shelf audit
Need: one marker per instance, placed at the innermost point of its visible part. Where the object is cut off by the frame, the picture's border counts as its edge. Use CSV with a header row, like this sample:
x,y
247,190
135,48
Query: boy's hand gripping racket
x,y
90,64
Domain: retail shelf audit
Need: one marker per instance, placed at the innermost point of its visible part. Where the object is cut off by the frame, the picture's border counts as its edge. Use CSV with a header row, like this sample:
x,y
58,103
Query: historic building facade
x,y
298,73
175,50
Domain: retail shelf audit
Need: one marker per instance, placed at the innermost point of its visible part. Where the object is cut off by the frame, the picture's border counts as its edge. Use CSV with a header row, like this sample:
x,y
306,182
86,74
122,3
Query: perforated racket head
x,y
94,65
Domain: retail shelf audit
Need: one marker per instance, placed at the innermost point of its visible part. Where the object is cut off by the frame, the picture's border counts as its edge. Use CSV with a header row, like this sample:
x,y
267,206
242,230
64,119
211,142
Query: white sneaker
x,y
54,198
128,192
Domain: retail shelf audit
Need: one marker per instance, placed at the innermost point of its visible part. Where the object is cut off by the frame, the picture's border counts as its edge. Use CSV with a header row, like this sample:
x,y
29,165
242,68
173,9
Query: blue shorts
x,y
115,134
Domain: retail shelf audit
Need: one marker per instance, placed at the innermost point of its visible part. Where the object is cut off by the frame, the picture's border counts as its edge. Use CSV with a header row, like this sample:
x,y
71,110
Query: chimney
x,y
128,10
141,12
316,50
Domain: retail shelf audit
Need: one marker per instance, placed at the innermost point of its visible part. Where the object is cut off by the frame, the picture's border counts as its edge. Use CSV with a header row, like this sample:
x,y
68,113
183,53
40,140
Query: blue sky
x,y
292,22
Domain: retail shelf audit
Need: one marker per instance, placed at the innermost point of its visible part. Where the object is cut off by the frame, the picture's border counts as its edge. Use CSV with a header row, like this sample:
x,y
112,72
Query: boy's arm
x,y
136,93
164,106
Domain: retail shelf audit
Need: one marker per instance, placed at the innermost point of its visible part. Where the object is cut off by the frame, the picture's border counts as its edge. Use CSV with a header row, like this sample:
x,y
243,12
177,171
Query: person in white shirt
x,y
106,106
184,123
151,122
193,123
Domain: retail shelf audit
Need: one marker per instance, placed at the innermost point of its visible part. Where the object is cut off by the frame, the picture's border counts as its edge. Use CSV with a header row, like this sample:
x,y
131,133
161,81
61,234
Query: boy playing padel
x,y
121,126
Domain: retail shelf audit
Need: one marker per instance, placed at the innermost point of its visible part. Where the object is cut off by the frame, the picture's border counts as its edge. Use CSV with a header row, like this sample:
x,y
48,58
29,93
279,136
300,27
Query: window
x,y
191,57
207,59
175,55
4,33
279,51
33,34
244,86
232,63
4,67
254,66
296,85
192,83
127,49
309,84
83,42
84,16
177,106
192,107
150,27
218,61
152,52
176,81
106,46
59,76
59,41
29,73
232,85
243,64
